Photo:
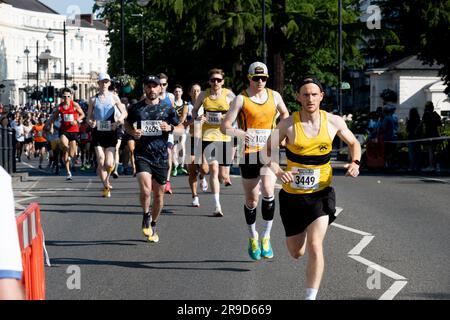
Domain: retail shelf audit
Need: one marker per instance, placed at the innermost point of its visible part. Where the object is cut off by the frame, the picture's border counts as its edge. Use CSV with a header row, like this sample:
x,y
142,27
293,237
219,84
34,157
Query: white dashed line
x,y
354,253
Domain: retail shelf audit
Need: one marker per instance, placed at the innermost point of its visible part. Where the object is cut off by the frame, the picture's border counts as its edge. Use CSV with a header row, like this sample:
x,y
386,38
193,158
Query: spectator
x,y
10,257
413,128
431,121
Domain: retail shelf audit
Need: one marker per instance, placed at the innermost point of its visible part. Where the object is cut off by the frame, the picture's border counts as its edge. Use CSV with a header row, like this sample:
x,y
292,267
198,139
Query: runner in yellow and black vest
x,y
307,200
256,109
216,147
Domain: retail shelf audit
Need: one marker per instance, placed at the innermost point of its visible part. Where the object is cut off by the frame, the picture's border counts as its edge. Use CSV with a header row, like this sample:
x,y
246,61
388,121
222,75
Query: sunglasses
x,y
163,84
214,80
66,96
257,78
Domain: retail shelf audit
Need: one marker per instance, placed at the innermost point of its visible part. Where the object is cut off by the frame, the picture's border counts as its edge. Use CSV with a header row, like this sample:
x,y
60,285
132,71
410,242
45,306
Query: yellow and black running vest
x,y
215,109
309,158
259,118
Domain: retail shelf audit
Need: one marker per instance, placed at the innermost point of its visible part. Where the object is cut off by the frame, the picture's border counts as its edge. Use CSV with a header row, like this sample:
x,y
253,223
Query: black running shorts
x,y
104,139
298,211
158,174
71,136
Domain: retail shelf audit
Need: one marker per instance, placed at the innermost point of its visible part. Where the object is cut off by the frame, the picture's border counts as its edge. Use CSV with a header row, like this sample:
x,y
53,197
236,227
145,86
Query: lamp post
x,y
142,42
102,3
27,52
50,36
264,47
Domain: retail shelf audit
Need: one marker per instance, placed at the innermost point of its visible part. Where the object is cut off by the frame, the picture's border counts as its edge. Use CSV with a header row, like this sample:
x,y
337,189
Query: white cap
x,y
103,76
258,68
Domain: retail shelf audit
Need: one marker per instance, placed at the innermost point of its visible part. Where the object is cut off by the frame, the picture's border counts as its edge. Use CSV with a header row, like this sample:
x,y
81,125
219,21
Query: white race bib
x,y
260,137
214,117
305,179
104,125
68,117
151,127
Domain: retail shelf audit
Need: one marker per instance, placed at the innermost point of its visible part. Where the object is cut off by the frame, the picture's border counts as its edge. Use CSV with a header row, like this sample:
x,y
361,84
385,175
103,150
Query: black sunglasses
x,y
163,84
214,80
257,78
66,96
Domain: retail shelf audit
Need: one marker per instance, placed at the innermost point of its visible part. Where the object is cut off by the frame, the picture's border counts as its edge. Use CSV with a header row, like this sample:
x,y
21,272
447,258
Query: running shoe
x,y
218,212
146,229
168,188
83,168
106,193
227,182
174,172
181,170
40,166
254,250
69,177
204,184
153,237
115,175
196,202
266,248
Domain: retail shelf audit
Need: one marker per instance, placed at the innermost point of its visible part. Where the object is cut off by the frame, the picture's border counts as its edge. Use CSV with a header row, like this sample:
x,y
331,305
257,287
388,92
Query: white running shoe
x,y
204,184
69,177
196,202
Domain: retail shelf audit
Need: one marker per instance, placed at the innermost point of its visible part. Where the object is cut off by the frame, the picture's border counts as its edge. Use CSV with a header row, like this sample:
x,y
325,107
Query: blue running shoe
x,y
266,248
253,249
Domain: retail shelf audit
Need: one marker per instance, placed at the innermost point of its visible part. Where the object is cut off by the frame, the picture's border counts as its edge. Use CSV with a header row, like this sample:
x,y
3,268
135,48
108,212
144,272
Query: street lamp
x,y
142,42
264,47
340,108
27,52
102,3
50,36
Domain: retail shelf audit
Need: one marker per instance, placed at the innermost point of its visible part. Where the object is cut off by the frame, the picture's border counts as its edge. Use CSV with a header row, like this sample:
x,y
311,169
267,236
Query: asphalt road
x,y
390,241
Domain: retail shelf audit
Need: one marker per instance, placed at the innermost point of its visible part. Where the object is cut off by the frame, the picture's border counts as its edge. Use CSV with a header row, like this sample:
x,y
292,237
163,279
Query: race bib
x,y
104,125
214,117
68,117
260,137
151,127
305,179
84,136
40,133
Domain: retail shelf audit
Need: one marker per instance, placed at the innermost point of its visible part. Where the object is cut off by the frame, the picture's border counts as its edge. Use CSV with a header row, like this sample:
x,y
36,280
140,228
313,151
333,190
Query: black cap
x,y
149,79
310,80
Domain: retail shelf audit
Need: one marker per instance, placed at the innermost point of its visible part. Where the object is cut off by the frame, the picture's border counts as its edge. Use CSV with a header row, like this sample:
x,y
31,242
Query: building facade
x,y
415,84
30,58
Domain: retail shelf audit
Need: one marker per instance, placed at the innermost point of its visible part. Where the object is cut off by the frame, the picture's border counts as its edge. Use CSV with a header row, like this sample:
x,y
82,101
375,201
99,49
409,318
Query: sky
x,y
70,7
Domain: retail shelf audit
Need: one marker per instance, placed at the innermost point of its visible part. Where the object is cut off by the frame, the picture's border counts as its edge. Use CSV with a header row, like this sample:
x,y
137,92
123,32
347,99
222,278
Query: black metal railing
x,y
8,149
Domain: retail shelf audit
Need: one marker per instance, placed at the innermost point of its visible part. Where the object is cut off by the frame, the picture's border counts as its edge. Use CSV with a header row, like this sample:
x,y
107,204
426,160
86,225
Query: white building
x,y
415,84
24,27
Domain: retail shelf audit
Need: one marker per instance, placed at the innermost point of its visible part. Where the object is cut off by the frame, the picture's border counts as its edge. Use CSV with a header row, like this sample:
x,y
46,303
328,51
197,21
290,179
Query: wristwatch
x,y
357,162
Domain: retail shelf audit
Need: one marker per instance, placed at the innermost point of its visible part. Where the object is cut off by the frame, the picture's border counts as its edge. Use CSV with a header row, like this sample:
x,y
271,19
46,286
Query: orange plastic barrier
x,y
31,239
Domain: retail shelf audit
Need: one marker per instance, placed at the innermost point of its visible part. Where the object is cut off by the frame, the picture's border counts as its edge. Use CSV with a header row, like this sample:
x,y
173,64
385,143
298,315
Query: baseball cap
x,y
103,76
149,79
310,80
258,68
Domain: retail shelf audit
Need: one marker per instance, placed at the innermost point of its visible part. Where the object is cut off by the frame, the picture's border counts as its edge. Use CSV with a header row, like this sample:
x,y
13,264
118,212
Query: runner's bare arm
x,y
122,109
230,117
90,119
281,106
349,138
80,111
198,104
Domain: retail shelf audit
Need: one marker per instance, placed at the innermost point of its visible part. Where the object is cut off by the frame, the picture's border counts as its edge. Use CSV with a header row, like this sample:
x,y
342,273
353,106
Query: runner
x,y
178,154
169,99
307,201
40,142
70,113
150,121
256,109
102,117
216,146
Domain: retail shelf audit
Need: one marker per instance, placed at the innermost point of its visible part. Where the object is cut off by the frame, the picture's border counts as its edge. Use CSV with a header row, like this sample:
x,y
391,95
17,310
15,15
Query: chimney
x,y
88,17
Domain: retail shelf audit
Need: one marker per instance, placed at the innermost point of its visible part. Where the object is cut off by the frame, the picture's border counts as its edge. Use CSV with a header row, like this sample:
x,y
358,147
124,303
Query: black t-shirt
x,y
153,146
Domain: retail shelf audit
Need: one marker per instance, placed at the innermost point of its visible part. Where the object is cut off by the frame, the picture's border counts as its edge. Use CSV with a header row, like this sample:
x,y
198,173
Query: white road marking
x,y
88,185
361,245
354,253
363,233
393,290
